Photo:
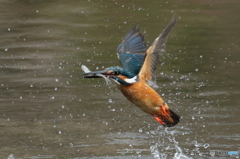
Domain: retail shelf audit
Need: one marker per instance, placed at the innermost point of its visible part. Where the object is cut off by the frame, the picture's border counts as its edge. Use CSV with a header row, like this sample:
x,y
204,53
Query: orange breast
x,y
143,96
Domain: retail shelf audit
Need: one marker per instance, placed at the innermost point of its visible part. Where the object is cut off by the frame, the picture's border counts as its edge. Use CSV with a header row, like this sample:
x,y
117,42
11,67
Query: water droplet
x,y
56,80
10,156
37,11
6,49
167,148
63,106
196,144
20,97
140,130
206,145
55,88
59,132
110,101
9,29
31,85
193,117
196,69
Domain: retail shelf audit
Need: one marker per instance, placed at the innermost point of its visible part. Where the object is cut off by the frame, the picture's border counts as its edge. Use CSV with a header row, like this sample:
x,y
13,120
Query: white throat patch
x,y
131,80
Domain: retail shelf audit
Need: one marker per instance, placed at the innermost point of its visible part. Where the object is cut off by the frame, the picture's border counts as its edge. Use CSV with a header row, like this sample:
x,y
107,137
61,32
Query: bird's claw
x,y
164,111
158,119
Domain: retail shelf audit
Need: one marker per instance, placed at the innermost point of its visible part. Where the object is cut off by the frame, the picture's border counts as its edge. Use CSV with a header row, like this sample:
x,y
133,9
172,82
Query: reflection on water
x,y
49,111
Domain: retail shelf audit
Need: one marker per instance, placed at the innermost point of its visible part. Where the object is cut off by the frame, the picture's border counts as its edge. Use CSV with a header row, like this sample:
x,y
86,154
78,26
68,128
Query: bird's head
x,y
118,74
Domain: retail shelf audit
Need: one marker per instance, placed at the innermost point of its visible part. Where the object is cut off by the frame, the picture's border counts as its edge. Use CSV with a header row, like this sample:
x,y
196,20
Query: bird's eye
x,y
117,72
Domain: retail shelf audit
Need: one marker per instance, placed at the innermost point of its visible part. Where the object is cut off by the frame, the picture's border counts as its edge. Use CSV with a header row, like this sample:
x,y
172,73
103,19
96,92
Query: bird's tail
x,y
168,121
175,117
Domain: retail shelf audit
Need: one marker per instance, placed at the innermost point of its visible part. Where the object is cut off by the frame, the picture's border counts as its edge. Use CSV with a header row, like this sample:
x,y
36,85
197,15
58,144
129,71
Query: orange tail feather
x,y
173,119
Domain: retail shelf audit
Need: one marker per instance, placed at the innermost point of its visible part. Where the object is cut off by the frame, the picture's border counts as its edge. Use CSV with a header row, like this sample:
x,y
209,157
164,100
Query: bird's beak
x,y
92,74
95,74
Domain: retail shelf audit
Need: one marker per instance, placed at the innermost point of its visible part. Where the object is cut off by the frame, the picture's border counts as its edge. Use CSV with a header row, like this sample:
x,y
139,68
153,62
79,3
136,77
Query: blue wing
x,y
132,51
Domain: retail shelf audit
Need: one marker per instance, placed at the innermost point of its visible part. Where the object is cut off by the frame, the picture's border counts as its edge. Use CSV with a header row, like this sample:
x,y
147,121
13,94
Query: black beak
x,y
95,74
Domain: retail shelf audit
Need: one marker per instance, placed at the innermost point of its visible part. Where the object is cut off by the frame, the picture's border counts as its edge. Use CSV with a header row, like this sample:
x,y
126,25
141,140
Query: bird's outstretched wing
x,y
153,53
132,51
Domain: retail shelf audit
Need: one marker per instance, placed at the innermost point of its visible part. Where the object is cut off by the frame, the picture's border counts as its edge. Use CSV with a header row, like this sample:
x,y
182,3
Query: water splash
x,y
179,154
166,142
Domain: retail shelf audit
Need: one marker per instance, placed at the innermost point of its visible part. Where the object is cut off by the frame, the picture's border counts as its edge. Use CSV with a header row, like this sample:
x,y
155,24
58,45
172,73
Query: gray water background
x,y
48,111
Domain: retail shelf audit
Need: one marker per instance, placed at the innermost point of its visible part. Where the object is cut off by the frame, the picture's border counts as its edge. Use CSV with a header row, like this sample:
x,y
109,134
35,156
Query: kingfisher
x,y
136,79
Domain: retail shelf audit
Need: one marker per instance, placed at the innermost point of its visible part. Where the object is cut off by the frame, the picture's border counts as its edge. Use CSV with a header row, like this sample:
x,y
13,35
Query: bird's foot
x,y
158,119
164,111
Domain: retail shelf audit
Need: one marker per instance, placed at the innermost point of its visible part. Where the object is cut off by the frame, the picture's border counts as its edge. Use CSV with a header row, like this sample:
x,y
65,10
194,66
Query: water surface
x,y
48,111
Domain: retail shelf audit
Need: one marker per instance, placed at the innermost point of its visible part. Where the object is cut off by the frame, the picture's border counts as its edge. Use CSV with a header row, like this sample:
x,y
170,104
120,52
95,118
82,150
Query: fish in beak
x,y
96,74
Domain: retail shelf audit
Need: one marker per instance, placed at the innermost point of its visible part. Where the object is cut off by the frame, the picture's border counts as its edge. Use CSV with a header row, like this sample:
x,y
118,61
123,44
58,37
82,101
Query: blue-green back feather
x,y
132,51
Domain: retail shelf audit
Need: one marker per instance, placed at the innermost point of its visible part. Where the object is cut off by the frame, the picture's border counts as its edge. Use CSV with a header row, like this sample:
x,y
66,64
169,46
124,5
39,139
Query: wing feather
x,y
132,51
153,53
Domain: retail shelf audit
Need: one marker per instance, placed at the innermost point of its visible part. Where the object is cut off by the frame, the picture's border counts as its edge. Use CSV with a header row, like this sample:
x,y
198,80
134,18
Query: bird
x,y
136,78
